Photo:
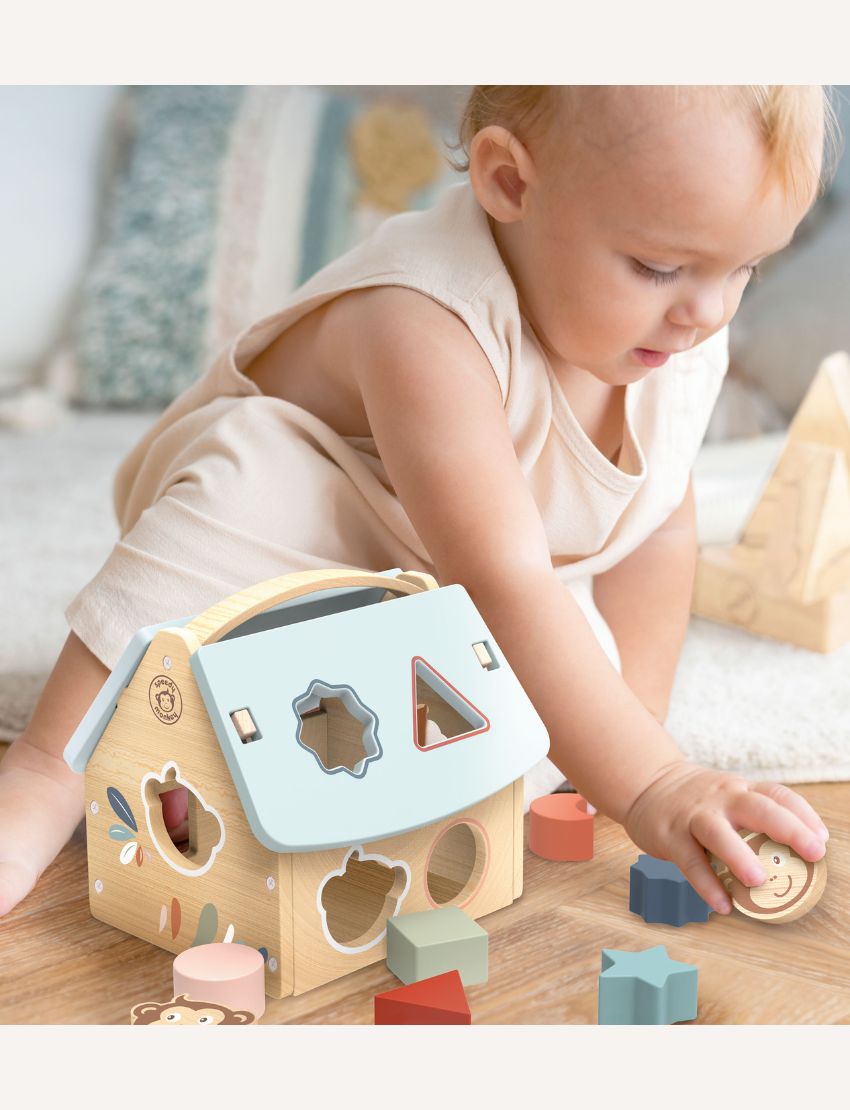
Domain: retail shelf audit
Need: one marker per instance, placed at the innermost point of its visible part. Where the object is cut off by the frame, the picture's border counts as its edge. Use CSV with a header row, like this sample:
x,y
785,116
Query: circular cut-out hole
x,y
457,863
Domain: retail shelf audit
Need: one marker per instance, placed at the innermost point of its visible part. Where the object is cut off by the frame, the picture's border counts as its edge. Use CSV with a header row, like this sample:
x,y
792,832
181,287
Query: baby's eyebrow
x,y
682,249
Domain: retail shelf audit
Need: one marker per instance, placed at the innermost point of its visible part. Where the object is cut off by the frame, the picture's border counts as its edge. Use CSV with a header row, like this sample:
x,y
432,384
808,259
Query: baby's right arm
x,y
435,411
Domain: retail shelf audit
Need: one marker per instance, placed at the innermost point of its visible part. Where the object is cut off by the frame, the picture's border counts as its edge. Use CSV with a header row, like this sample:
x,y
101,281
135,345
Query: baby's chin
x,y
623,372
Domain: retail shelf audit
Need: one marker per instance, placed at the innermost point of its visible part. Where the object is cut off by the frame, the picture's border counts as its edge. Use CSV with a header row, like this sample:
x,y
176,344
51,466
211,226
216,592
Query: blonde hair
x,y
784,115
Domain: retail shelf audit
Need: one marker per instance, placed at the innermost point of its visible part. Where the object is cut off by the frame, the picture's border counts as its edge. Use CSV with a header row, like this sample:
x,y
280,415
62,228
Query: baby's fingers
x,y
694,865
758,812
720,838
785,796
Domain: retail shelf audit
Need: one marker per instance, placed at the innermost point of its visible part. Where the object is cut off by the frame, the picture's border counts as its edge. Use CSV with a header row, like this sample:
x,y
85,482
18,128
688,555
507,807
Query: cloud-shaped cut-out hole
x,y
337,728
355,901
205,828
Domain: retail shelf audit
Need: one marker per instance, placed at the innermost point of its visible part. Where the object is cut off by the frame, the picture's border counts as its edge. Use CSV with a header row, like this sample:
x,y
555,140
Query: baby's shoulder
x,y
401,322
313,363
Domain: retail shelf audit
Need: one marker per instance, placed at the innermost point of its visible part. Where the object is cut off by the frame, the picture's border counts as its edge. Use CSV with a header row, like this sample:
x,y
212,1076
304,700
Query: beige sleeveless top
x,y
231,486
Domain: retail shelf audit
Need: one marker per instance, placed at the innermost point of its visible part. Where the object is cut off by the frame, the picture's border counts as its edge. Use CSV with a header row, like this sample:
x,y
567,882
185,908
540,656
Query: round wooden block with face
x,y
793,885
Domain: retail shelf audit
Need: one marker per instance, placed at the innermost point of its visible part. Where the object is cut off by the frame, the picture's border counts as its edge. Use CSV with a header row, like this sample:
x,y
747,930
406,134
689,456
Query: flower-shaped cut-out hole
x,y
186,832
357,903
337,728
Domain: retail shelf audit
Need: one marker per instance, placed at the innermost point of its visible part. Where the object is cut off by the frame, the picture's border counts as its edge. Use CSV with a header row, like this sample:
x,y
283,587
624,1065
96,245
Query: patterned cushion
x,y
232,198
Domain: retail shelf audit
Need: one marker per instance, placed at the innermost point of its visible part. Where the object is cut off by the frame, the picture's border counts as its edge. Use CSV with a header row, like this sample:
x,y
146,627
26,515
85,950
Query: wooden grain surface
x,y
60,966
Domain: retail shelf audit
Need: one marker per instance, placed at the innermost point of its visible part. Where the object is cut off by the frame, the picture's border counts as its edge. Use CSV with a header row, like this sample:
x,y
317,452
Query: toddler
x,y
506,391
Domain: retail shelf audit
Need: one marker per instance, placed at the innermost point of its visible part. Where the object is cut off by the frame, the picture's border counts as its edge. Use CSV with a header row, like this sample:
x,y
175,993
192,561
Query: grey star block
x,y
659,892
646,988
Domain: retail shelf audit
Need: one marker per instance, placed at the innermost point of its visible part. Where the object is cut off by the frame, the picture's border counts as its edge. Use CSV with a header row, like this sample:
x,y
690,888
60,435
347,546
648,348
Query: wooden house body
x,y
353,745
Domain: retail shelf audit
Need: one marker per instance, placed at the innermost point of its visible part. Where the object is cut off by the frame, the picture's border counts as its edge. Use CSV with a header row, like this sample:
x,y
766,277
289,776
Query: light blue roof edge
x,y
86,736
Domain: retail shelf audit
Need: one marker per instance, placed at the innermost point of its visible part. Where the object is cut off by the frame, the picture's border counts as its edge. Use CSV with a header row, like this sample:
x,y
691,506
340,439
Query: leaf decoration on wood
x,y
140,855
163,917
176,918
228,936
128,852
207,925
264,952
120,832
121,807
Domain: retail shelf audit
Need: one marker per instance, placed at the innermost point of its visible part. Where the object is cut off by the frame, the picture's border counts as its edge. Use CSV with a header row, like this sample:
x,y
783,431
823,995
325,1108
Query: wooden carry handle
x,y
224,616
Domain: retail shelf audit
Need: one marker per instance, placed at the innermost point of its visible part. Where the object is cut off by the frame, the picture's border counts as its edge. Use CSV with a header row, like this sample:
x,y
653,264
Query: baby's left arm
x,y
646,601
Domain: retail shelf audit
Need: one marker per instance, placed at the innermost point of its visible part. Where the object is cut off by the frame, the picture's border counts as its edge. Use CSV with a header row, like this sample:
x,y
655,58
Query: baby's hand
x,y
691,808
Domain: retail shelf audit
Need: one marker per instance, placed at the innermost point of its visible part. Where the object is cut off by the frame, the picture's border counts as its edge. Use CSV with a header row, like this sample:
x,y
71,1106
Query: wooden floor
x,y
61,966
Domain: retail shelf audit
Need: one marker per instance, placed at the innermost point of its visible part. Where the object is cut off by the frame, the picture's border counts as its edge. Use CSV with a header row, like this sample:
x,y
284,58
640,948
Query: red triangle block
x,y
440,1000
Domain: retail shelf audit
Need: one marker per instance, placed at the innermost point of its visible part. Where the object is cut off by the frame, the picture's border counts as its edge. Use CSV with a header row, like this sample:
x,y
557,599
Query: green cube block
x,y
420,945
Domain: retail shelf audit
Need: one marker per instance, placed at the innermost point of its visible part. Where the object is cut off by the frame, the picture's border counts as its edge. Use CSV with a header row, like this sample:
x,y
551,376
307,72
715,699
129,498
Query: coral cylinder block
x,y
560,828
231,974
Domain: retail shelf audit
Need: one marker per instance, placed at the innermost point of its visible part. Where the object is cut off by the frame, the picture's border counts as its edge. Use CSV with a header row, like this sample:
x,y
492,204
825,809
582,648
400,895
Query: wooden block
x,y
561,828
230,974
183,1011
824,414
645,988
727,590
660,893
793,886
440,1000
801,526
789,577
421,945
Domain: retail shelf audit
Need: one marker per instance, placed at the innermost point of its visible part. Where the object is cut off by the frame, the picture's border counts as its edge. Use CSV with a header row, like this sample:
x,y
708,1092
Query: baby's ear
x,y
500,168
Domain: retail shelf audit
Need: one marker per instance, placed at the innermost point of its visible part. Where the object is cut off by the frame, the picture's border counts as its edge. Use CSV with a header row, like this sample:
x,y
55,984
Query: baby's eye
x,y
750,271
660,277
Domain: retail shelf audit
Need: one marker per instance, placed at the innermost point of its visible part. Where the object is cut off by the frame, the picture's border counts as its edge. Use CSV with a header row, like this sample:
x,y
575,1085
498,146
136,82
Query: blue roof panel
x,y
370,658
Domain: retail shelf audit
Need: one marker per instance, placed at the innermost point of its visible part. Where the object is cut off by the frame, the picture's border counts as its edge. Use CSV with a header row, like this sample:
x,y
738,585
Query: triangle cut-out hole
x,y
442,713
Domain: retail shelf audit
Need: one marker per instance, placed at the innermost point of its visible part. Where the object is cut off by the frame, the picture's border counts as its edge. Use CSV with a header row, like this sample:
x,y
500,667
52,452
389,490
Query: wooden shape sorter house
x,y
789,575
352,746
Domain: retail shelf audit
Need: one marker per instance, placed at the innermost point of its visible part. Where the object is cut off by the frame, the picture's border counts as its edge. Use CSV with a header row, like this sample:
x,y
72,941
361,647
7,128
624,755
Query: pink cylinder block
x,y
230,974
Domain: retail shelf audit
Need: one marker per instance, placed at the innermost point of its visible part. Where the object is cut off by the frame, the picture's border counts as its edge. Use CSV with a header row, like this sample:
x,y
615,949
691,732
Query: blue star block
x,y
659,892
645,988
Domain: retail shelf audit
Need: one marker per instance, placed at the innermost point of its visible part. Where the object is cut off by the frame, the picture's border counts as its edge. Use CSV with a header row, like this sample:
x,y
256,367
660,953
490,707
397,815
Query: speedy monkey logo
x,y
793,886
165,700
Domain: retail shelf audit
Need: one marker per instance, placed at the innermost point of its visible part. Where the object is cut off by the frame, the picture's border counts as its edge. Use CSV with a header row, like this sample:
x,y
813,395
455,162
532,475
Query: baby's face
x,y
646,240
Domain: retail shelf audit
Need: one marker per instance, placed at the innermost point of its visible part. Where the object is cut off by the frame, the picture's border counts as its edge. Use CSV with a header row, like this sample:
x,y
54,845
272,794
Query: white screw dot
x,y
98,886
270,883
272,964
95,808
166,662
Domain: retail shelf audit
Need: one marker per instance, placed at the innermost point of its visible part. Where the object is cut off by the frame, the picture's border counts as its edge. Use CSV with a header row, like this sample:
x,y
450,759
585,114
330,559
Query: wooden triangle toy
x,y
789,575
